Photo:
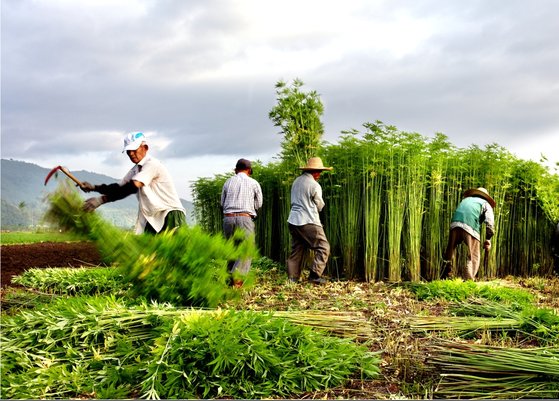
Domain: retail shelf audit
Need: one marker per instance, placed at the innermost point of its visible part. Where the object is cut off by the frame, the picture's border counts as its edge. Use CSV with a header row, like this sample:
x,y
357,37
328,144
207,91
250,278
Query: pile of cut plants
x,y
150,326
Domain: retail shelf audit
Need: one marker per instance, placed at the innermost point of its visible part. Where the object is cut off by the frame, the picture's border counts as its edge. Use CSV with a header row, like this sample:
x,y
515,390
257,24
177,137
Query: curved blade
x,y
50,174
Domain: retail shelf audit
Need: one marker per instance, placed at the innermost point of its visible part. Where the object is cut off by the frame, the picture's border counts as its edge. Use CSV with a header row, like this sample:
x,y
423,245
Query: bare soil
x,y
16,259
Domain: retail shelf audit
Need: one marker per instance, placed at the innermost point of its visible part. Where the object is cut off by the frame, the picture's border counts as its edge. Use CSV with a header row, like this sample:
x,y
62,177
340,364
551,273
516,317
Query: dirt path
x,y
15,259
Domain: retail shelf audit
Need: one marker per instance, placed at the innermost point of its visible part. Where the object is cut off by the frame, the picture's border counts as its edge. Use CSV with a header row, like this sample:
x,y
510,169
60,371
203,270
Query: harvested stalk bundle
x,y
475,371
458,290
540,324
74,280
185,266
461,324
101,347
250,355
344,324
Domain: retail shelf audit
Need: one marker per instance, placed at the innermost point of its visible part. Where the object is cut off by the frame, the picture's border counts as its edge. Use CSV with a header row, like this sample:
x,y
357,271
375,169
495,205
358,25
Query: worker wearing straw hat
x,y
304,223
475,209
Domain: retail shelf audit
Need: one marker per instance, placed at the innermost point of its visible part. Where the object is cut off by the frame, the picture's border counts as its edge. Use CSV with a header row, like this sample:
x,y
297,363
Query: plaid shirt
x,y
241,194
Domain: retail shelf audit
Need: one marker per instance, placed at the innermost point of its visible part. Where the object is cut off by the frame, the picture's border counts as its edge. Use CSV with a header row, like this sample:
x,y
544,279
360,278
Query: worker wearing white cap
x,y
159,205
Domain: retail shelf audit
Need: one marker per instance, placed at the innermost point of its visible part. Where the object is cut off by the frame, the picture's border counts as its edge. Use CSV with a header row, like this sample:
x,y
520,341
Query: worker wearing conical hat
x,y
475,209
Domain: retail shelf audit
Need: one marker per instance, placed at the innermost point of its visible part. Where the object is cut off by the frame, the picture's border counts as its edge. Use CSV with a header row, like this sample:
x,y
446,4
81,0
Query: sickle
x,y
65,171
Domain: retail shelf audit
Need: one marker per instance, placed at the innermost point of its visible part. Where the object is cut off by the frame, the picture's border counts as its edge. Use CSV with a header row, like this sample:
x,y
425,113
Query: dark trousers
x,y
309,236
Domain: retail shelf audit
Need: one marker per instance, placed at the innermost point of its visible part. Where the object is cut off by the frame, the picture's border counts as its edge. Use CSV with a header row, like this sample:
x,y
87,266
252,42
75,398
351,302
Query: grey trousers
x,y
309,236
456,237
244,223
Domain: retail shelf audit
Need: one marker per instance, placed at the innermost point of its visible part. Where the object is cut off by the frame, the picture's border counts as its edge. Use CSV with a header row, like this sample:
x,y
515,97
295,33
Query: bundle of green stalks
x,y
475,371
185,266
457,290
542,324
73,281
536,324
107,281
101,347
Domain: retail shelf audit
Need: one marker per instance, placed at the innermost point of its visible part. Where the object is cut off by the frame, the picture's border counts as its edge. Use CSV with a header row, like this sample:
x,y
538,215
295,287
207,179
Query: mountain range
x,y
23,193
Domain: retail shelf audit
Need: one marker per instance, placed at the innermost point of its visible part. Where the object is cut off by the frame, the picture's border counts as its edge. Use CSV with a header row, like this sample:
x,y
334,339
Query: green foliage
x,y
16,299
249,355
101,347
509,309
32,237
542,324
391,196
74,346
72,281
207,202
185,266
457,290
298,115
265,264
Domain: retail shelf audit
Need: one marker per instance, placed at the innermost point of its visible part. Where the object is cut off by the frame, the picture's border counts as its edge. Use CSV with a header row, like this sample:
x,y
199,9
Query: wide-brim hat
x,y
482,192
133,141
315,164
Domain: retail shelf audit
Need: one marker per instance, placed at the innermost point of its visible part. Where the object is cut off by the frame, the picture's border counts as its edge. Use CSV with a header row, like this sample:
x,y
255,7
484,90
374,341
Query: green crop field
x,y
32,237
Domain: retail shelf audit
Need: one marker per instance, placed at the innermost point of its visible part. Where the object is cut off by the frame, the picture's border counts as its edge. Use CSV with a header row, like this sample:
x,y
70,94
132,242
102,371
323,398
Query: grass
x,y
32,237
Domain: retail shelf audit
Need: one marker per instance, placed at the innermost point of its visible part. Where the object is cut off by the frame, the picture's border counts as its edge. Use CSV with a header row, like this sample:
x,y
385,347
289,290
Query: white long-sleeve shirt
x,y
306,201
157,197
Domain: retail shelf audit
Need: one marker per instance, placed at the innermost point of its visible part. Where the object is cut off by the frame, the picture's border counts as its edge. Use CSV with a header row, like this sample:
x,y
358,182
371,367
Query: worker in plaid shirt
x,y
241,197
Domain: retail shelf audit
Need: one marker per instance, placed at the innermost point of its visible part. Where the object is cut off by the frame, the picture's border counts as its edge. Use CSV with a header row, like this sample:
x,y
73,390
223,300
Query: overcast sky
x,y
198,76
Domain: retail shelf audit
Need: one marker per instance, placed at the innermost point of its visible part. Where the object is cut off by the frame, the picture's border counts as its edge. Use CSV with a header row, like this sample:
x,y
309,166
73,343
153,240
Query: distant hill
x,y
23,196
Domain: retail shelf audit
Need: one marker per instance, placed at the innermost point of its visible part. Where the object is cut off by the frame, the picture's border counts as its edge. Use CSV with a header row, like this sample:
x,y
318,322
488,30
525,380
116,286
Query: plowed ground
x,y
15,259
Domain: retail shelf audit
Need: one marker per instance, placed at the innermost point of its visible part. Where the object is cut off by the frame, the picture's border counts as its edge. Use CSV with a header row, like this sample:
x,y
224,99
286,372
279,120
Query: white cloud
x,y
200,75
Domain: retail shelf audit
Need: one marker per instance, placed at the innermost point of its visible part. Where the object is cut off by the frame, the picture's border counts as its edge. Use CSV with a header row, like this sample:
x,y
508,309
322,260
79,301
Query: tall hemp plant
x,y
298,114
439,150
373,184
416,185
396,198
345,200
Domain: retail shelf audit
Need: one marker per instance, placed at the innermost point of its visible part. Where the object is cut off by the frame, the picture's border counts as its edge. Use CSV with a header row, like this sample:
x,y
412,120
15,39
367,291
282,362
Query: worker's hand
x,y
487,244
93,203
87,187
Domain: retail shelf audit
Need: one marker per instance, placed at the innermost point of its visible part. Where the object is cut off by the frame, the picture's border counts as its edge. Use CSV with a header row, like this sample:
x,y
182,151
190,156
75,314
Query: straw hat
x,y
482,192
315,164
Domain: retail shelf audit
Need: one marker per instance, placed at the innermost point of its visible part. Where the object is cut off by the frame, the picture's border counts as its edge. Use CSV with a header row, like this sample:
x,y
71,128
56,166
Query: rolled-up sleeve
x,y
489,218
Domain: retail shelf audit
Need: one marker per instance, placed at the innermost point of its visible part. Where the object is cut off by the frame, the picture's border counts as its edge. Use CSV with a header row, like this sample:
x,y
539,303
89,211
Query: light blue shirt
x,y
471,213
306,201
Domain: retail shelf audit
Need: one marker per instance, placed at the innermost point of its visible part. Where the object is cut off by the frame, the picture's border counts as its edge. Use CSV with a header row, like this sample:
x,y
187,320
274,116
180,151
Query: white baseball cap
x,y
133,140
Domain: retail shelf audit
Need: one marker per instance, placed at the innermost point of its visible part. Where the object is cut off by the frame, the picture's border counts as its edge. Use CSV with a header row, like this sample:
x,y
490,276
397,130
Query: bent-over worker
x,y
475,209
